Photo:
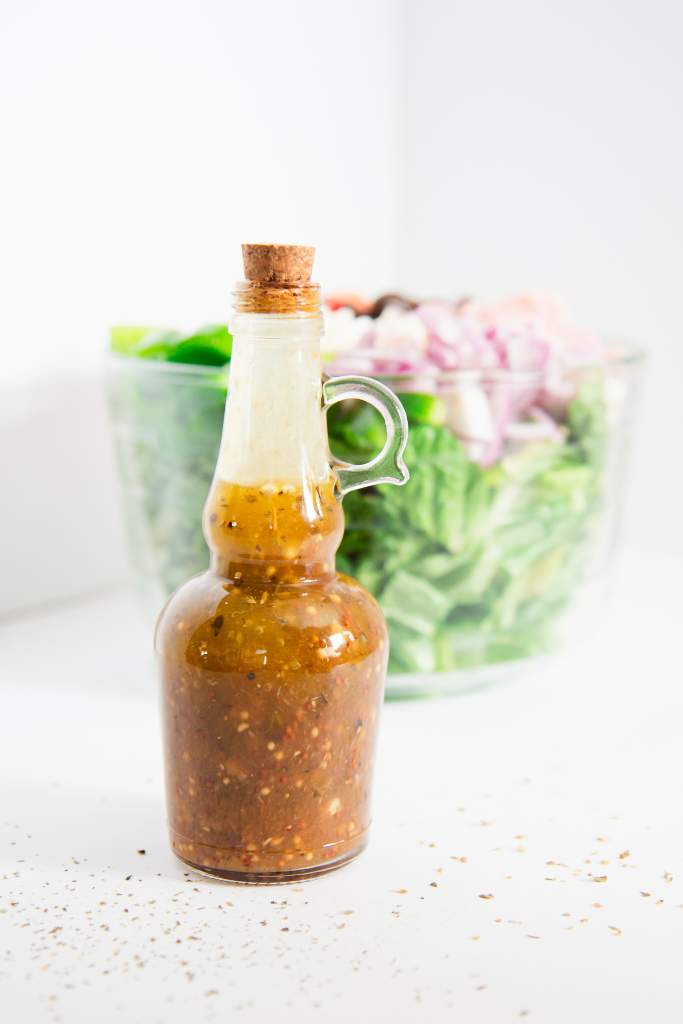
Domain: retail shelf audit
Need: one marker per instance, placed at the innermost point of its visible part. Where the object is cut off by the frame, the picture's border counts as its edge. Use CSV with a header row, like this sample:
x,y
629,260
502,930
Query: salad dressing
x,y
272,664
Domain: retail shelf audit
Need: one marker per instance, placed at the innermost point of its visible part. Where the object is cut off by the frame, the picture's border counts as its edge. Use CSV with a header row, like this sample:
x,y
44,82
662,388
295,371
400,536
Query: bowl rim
x,y
618,353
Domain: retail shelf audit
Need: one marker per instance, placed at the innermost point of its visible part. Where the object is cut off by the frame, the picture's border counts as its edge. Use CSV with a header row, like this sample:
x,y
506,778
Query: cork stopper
x,y
278,264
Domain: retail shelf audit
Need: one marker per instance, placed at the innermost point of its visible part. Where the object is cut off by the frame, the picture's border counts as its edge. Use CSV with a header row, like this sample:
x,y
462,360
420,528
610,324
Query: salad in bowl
x,y
496,550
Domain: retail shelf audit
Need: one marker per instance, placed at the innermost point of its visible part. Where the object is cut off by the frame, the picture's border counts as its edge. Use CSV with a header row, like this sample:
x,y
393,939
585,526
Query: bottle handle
x,y
388,466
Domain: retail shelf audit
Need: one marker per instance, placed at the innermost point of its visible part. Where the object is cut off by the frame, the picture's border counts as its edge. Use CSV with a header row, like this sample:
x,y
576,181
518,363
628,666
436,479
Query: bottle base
x,y
249,876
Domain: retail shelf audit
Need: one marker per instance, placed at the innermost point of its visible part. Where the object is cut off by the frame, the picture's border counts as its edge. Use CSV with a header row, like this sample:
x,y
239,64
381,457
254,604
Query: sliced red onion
x,y
527,335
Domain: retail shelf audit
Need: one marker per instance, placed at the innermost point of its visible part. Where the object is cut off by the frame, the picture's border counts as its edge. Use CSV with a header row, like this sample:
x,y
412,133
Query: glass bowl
x,y
497,550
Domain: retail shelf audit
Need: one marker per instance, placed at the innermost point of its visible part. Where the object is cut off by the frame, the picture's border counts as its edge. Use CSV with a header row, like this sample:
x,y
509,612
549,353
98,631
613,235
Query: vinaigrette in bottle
x,y
272,664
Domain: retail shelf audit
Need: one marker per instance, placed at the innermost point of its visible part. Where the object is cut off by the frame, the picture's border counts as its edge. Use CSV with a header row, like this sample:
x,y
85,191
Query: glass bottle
x,y
272,664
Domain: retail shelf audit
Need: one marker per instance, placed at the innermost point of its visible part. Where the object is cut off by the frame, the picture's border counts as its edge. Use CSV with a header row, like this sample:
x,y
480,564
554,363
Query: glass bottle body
x,y
271,699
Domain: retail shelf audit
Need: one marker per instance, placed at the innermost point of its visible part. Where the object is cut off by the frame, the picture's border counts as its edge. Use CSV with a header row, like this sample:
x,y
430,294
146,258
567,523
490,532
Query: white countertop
x,y
526,860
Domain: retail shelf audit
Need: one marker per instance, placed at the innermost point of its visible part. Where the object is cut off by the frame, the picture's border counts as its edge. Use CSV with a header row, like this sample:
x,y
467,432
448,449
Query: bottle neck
x,y
272,515
274,431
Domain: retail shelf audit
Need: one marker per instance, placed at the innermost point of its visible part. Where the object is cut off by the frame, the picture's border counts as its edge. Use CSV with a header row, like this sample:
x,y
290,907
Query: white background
x,y
475,146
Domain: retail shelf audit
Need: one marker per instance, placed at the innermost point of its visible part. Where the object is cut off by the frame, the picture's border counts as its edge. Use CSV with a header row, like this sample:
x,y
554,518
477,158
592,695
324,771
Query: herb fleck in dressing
x,y
272,664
